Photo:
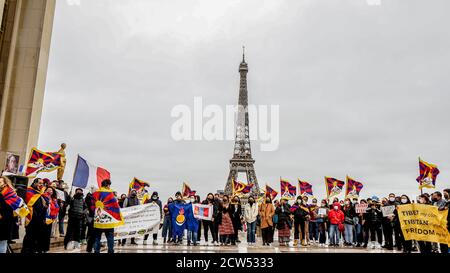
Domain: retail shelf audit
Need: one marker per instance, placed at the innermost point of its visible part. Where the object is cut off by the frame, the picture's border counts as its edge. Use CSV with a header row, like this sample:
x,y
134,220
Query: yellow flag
x,y
424,223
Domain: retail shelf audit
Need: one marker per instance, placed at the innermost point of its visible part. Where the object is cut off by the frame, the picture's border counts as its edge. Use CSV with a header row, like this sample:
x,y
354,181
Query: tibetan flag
x,y
305,188
247,188
52,210
333,186
202,212
87,175
15,202
186,192
31,196
237,187
427,174
287,190
271,192
353,188
42,162
138,185
107,210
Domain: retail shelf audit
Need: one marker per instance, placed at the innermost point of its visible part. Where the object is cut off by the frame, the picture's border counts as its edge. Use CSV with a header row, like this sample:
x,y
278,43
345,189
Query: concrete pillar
x,y
24,54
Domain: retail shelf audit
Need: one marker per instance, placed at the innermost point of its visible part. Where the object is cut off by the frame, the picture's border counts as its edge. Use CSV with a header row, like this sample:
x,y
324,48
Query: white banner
x,y
202,212
139,221
388,210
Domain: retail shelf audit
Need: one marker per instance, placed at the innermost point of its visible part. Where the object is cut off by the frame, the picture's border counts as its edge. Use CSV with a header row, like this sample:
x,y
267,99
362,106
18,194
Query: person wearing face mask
x,y
321,221
167,223
35,220
199,230
405,245
336,218
373,218
192,225
349,214
425,247
226,230
313,226
236,218
250,216
266,212
301,213
51,199
154,199
131,201
284,225
122,199
207,224
387,223
77,208
307,218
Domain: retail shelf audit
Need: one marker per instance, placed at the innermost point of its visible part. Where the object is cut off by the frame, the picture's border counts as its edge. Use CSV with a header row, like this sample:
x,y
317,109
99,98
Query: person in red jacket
x,y
336,218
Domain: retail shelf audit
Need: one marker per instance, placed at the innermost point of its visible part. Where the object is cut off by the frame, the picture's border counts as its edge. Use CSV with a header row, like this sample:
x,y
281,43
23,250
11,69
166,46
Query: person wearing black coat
x,y
402,243
236,218
373,219
89,213
77,207
7,220
284,223
209,225
33,240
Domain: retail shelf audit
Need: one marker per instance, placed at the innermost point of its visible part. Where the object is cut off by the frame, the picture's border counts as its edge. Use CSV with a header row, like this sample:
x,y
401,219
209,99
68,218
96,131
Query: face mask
x,y
298,201
155,197
392,199
336,207
404,200
323,204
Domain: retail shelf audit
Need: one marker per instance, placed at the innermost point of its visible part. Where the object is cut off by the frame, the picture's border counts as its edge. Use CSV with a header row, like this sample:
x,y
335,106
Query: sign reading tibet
x,y
424,223
138,221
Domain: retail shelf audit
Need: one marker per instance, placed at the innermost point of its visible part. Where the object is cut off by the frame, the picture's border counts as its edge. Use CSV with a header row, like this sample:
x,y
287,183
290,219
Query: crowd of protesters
x,y
305,220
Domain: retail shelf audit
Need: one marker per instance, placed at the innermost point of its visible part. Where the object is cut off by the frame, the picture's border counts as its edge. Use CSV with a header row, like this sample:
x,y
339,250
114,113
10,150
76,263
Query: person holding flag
x,y
11,205
35,221
107,215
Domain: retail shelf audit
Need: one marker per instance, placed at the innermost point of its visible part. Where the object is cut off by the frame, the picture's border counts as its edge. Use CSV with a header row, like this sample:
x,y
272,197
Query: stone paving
x,y
240,248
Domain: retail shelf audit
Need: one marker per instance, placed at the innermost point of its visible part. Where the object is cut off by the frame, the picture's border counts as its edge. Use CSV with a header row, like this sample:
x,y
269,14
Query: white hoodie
x,y
250,212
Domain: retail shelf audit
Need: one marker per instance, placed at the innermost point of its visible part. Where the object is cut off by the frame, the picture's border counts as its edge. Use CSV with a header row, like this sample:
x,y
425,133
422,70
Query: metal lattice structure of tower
x,y
242,160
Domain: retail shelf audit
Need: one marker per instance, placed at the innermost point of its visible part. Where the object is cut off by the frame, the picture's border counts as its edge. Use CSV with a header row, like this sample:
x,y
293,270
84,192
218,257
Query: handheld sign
x,y
388,211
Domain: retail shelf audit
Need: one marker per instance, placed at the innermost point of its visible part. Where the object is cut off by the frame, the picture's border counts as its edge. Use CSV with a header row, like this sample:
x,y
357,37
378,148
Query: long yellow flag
x,y
424,223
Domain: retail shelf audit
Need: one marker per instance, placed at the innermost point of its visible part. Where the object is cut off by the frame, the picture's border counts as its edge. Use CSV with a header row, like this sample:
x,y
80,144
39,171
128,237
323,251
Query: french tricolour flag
x,y
87,175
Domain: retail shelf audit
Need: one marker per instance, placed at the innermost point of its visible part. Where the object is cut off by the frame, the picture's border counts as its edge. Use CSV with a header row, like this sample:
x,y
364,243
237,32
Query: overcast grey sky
x,y
363,89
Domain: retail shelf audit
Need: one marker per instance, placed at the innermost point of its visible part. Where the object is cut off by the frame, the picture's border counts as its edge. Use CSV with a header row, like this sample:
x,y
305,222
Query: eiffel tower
x,y
242,160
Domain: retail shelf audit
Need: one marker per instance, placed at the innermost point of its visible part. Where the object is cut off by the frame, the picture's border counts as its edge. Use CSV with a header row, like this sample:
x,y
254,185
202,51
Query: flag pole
x,y
420,183
74,172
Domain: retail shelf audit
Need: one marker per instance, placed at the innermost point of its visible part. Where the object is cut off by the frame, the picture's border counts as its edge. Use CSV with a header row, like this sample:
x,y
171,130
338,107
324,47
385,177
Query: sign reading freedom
x,y
424,223
138,221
